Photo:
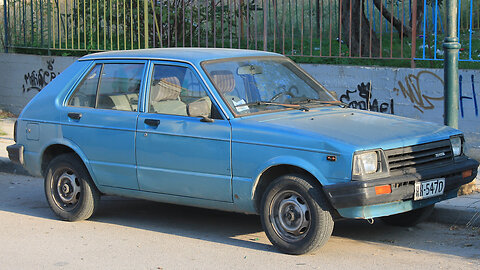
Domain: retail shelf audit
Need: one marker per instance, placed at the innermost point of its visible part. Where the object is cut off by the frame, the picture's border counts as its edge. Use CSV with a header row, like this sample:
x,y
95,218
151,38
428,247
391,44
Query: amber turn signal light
x,y
466,174
383,189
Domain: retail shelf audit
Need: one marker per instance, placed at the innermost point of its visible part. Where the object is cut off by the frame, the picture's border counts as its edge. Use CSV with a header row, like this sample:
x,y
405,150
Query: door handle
x,y
152,122
75,116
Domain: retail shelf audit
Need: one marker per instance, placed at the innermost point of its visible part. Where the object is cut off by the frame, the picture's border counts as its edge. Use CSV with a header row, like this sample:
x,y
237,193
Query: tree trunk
x,y
407,31
357,36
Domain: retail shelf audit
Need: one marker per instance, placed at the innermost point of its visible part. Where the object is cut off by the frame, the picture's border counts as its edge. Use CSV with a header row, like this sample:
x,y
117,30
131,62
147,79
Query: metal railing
x,y
309,28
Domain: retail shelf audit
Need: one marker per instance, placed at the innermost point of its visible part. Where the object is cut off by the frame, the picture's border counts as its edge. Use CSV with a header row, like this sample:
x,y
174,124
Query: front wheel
x,y
295,215
410,218
69,189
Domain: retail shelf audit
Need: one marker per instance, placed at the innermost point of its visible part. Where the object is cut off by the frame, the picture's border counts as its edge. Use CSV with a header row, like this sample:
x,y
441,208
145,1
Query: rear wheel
x,y
69,189
410,218
295,215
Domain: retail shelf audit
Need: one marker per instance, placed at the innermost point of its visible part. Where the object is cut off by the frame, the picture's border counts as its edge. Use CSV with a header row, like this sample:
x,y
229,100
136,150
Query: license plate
x,y
430,188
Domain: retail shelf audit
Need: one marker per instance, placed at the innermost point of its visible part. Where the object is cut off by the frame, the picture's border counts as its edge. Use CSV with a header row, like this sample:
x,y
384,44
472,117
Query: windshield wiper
x,y
261,103
325,102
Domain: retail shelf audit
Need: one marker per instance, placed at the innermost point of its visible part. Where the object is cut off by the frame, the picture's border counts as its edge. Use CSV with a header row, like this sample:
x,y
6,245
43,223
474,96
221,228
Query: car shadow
x,y
27,198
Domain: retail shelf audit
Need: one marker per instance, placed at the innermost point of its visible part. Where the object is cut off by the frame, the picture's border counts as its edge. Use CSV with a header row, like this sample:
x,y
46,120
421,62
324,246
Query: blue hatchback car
x,y
234,130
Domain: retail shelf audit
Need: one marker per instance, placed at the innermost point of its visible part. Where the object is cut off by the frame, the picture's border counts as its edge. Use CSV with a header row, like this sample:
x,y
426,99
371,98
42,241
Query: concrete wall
x,y
23,76
415,93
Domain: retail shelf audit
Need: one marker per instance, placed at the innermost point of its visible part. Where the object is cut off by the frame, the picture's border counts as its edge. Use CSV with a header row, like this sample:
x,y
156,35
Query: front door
x,y
182,142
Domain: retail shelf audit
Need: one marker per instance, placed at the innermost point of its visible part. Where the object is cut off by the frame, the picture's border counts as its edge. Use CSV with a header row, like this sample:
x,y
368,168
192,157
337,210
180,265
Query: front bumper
x,y
15,153
362,193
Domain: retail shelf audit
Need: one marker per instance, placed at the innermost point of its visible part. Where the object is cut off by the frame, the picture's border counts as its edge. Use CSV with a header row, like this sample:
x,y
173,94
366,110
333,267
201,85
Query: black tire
x,y
410,218
70,191
295,215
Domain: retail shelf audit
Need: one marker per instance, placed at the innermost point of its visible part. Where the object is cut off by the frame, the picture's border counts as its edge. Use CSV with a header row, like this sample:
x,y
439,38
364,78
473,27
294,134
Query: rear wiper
x,y
260,103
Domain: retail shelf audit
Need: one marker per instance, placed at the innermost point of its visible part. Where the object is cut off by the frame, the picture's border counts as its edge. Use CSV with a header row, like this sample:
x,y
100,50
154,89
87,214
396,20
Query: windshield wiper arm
x,y
259,103
326,102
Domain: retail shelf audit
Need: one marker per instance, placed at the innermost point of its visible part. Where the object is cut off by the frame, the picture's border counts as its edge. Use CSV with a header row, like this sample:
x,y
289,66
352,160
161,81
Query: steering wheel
x,y
282,94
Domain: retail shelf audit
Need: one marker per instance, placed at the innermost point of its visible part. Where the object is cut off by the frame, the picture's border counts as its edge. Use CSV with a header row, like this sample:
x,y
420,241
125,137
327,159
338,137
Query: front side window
x,y
110,86
175,90
256,85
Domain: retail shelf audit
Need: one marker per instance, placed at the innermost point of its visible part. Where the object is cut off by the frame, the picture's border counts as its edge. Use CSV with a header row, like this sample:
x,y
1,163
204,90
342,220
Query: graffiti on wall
x,y
37,79
466,97
411,89
365,102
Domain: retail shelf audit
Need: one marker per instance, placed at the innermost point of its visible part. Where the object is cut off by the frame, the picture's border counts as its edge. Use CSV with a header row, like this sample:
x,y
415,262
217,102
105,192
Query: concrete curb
x,y
456,215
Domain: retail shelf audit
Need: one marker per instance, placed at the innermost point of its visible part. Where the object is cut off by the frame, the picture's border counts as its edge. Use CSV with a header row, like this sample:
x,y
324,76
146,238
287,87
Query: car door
x,y
101,116
182,142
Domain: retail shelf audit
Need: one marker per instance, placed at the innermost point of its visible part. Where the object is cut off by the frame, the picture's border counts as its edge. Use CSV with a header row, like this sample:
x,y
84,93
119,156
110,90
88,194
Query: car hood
x,y
355,129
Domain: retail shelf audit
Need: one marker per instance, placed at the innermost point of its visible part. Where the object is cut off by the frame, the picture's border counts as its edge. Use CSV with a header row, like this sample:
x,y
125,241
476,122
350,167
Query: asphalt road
x,y
136,234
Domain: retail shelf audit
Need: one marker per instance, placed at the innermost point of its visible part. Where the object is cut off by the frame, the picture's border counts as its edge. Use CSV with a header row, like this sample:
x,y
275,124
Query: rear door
x,y
101,117
182,142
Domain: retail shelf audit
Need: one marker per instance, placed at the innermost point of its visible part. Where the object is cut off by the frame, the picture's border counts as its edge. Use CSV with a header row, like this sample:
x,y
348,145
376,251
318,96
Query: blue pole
x,y
435,19
470,30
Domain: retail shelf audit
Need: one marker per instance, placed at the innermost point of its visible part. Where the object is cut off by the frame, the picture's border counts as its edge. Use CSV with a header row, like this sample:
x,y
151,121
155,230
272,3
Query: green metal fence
x,y
311,28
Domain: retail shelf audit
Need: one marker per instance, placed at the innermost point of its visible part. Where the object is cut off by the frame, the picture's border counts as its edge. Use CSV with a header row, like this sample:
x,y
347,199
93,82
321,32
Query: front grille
x,y
419,156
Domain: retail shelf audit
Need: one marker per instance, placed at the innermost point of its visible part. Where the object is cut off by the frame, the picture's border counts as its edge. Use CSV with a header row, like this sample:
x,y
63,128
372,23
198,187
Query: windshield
x,y
260,84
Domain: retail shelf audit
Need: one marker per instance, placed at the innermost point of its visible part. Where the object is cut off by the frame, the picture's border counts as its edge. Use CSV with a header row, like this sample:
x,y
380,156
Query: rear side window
x,y
110,86
86,91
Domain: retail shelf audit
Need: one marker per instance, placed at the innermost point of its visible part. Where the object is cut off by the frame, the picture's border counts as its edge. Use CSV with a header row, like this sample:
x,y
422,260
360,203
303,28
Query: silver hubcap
x,y
68,188
290,216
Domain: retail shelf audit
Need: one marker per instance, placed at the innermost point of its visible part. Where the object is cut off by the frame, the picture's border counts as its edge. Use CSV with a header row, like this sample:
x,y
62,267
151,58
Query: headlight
x,y
365,163
456,142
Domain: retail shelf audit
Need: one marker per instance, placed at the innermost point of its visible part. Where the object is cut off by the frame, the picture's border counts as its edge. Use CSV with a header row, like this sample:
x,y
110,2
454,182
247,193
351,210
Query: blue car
x,y
234,130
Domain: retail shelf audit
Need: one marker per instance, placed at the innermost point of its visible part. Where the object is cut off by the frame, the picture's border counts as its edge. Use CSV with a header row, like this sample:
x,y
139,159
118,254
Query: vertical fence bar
x,y
401,32
320,10
175,23
459,17
161,25
84,26
78,24
15,36
131,24
283,27
124,25
59,18
49,25
265,24
105,27
66,24
339,23
31,20
248,25
5,21
118,22
145,21
381,29
24,22
350,31
221,23
53,27
360,30
199,28
183,23
138,24
391,31
255,26
292,27
275,24
214,25
435,23
191,25
372,23
470,31
424,27
71,23
414,33
311,25
97,23
240,24
330,29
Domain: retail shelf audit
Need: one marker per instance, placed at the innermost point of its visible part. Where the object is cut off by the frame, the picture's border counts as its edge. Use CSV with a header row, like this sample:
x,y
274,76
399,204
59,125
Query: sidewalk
x,y
463,210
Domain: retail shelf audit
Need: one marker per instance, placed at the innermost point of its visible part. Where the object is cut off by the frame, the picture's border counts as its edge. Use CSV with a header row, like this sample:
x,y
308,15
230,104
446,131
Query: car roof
x,y
193,55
